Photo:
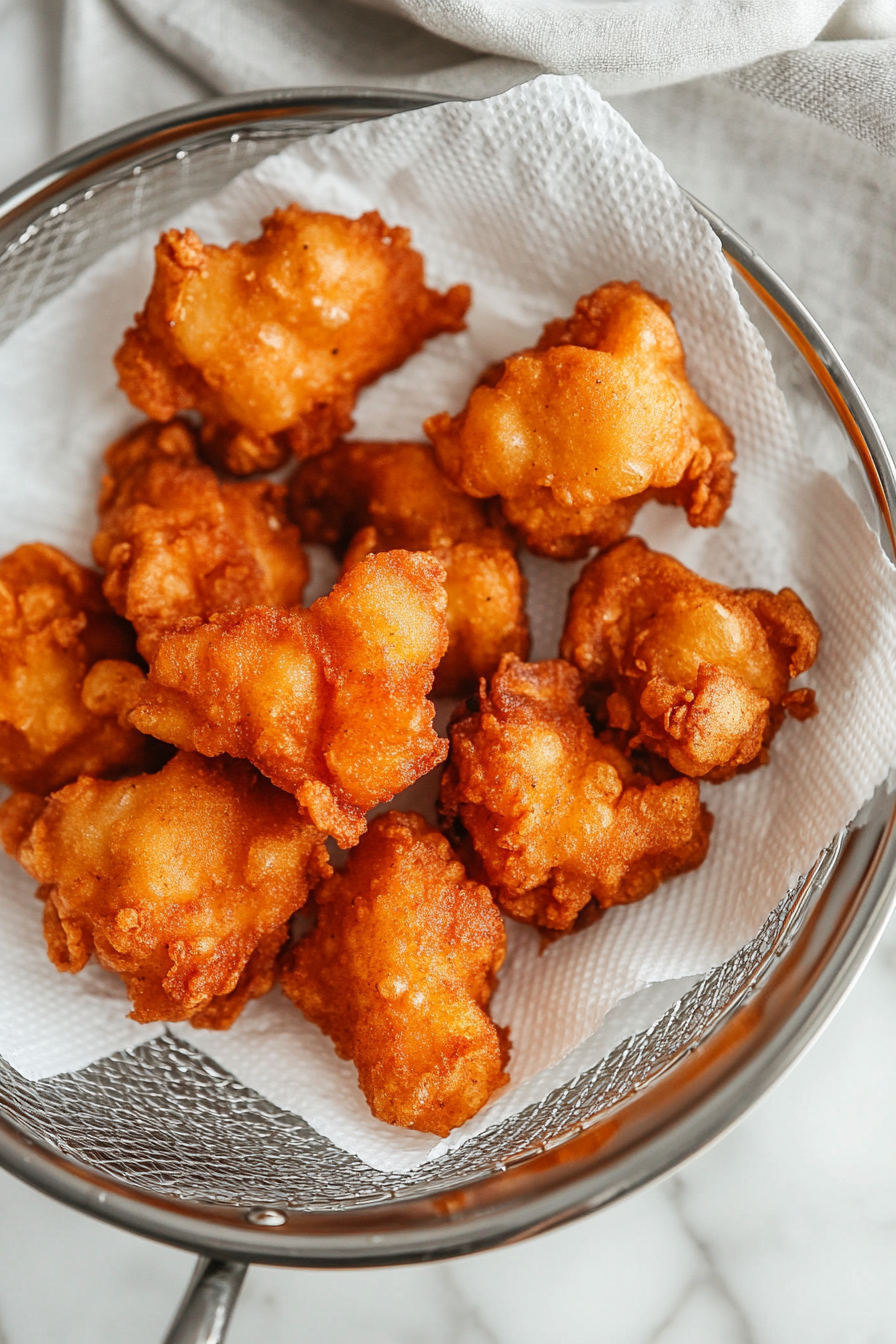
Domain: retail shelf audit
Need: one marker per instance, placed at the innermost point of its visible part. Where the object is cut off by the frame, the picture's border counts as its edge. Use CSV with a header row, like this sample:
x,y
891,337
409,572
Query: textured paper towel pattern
x,y
47,1028
534,197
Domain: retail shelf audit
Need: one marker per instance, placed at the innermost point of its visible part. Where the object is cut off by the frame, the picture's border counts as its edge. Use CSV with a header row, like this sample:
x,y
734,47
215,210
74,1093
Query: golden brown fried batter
x,y
368,497
272,340
176,543
330,703
556,816
182,882
577,433
486,614
398,973
699,673
58,718
396,488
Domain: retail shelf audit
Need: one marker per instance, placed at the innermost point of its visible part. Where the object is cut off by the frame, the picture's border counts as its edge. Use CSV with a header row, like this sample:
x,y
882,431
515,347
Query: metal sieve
x,y
162,1140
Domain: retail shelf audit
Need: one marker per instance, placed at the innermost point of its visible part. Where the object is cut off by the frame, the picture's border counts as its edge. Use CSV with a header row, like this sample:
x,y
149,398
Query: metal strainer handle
x,y
204,1314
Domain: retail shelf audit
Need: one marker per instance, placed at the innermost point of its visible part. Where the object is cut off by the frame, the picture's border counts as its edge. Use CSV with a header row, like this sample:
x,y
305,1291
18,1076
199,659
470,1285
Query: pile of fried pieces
x,y
182,736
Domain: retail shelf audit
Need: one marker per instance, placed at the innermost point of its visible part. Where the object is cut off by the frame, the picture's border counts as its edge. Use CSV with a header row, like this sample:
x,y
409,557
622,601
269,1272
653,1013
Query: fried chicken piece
x,y
698,672
329,703
485,612
58,716
181,882
577,433
556,816
366,497
177,543
273,339
399,972
396,488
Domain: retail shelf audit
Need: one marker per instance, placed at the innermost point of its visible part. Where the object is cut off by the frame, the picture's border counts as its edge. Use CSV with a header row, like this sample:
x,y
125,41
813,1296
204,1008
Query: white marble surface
x,y
785,1231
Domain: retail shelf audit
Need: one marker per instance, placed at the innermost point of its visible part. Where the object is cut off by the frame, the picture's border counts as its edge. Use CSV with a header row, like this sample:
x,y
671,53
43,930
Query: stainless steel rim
x,y
178,123
646,1135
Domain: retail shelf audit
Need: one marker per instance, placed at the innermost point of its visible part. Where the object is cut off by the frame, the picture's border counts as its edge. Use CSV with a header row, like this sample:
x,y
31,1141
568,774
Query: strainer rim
x,y
588,1182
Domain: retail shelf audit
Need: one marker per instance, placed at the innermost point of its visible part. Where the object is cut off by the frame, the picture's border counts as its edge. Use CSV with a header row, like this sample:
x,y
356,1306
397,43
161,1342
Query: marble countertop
x,y
786,1229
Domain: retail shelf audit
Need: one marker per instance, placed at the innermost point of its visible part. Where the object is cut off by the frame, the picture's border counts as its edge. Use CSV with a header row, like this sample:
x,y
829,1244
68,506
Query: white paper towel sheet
x,y
534,197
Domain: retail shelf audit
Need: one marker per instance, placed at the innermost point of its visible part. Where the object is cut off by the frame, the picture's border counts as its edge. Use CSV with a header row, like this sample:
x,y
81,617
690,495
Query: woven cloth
x,y
123,58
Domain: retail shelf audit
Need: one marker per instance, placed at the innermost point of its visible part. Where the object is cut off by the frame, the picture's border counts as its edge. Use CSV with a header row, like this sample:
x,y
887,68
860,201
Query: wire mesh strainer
x,y
164,1141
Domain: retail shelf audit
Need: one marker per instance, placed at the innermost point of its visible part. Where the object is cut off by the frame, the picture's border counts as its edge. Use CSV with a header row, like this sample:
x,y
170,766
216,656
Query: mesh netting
x,y
165,1118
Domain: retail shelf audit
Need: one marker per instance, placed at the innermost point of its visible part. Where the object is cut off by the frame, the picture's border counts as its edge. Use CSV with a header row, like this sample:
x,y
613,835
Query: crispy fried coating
x,y
577,433
556,816
182,882
273,339
399,972
397,488
366,497
697,672
58,717
176,543
329,703
486,614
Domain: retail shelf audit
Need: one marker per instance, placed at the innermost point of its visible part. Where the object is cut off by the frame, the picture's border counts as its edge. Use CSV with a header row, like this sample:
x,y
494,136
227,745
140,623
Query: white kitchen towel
x,y
620,47
534,196
473,48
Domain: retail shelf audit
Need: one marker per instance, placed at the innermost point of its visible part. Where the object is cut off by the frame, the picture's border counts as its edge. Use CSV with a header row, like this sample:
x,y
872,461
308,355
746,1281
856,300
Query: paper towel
x,y
534,197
